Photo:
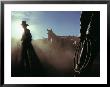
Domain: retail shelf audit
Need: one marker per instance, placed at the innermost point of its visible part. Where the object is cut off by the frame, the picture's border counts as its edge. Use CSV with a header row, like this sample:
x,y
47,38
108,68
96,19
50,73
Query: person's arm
x,y
22,38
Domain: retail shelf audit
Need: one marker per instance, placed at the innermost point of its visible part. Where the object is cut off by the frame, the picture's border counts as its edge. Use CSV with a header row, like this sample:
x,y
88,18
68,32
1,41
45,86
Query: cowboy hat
x,y
24,23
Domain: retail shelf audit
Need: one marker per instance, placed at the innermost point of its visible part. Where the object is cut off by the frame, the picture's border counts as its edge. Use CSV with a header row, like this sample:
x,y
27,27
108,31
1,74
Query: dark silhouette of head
x,y
24,25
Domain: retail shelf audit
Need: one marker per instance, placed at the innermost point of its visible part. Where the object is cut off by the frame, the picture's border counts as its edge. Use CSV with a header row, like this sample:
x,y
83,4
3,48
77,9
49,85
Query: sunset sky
x,y
63,23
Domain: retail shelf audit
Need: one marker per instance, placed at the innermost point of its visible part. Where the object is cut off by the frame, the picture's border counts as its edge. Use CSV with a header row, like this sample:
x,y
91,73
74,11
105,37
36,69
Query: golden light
x,y
17,30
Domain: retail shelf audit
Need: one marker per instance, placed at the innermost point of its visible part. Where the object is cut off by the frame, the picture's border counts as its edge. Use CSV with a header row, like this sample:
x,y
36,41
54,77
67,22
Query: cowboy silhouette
x,y
30,63
26,42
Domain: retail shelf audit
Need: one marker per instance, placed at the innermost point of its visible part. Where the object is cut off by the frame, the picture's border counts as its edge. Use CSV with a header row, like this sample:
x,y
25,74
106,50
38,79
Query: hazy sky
x,y
62,22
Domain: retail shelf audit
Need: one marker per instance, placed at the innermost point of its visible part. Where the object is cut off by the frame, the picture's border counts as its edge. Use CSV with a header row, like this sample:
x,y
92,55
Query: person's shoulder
x,y
27,30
